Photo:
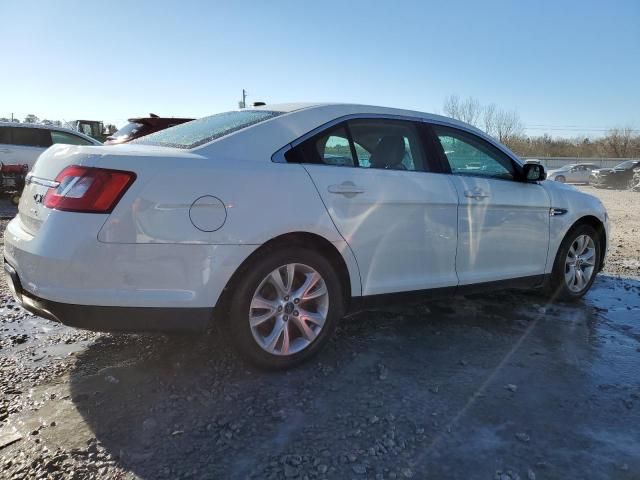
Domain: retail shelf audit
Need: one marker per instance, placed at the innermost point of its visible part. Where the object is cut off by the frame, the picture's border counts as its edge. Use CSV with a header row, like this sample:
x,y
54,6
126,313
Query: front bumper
x,y
109,318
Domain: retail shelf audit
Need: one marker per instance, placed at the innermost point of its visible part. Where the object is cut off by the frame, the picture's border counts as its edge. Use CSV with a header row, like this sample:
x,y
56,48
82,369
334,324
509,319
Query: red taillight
x,y
88,189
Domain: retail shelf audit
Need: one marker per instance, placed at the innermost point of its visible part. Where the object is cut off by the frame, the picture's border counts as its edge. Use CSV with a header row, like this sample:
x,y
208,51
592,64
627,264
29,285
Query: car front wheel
x,y
285,307
576,263
561,179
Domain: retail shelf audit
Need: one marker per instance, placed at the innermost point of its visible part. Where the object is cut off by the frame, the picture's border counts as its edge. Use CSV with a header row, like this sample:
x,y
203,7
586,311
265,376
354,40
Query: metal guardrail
x,y
556,162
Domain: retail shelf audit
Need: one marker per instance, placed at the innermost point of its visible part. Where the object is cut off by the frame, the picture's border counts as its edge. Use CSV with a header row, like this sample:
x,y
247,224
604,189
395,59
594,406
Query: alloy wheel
x,y
580,263
289,309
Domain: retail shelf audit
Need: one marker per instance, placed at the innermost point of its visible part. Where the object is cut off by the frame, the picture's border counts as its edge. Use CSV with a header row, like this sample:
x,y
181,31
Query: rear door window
x,y
31,137
365,143
388,144
333,148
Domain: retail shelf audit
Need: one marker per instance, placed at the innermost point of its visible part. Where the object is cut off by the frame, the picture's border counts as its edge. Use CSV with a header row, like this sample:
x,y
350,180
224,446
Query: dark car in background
x,y
620,176
139,127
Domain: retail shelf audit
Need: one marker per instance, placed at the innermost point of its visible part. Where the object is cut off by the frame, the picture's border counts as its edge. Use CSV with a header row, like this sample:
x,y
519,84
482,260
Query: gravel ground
x,y
493,387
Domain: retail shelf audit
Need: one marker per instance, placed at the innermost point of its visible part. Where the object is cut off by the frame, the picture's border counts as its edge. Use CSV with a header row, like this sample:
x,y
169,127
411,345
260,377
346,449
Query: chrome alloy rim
x,y
289,309
580,263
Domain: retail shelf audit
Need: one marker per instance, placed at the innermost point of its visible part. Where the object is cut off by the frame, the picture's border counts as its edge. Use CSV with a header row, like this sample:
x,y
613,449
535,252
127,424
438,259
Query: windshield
x,y
626,165
201,131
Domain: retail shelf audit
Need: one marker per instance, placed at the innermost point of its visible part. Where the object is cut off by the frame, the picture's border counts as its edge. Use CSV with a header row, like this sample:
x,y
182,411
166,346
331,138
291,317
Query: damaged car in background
x,y
277,221
620,176
141,126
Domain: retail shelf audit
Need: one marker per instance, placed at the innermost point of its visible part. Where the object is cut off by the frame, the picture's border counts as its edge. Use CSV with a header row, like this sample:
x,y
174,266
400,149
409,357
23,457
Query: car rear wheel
x,y
285,307
560,179
576,263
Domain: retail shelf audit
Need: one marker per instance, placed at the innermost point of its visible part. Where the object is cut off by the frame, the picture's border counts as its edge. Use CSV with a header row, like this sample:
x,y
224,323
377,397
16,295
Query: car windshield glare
x,y
198,132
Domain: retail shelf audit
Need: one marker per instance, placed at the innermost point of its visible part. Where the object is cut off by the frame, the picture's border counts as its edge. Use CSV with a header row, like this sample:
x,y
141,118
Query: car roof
x,y
349,107
340,109
50,127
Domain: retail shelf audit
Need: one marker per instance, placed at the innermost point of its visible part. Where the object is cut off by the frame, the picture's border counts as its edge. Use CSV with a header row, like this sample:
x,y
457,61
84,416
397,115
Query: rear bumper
x,y
109,318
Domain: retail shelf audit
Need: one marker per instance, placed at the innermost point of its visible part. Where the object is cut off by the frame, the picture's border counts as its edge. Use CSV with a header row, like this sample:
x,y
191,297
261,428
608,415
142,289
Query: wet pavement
x,y
497,386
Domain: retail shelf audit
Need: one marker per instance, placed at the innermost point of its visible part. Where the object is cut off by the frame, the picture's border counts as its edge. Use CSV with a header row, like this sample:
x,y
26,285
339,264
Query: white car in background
x,y
22,143
573,173
276,221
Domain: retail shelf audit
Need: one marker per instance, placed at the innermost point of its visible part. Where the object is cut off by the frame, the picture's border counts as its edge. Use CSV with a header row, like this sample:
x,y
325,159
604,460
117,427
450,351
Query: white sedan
x,y
574,173
277,221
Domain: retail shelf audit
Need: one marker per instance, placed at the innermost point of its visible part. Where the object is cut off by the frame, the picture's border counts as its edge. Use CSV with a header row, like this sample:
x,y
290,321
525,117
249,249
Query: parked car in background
x,y
620,176
22,143
92,128
276,221
572,173
139,127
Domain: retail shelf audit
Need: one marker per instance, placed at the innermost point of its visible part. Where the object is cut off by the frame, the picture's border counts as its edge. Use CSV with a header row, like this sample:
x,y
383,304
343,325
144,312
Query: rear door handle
x,y
348,189
477,194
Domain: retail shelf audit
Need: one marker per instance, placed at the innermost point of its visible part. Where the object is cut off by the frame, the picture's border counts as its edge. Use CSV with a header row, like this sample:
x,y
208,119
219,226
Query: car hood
x,y
556,170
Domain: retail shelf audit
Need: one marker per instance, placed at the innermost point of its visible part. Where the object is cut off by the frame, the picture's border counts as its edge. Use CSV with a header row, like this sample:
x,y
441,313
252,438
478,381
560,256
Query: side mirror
x,y
533,172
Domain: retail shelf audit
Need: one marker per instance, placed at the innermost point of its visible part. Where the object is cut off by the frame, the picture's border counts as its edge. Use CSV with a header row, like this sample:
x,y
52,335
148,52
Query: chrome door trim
x,y
278,156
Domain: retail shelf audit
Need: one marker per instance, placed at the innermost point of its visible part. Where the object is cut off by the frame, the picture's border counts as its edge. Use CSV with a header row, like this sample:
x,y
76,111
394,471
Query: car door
x,y
579,174
503,223
398,218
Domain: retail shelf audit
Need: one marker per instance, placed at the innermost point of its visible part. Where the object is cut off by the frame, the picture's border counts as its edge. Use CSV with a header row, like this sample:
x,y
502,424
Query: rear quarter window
x,y
198,132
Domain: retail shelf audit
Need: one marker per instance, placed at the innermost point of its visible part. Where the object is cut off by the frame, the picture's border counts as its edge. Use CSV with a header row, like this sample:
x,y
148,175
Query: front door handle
x,y
348,189
477,194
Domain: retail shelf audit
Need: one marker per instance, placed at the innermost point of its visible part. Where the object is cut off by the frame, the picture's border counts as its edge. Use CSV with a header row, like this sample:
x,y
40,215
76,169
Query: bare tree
x,y
507,125
489,119
468,110
618,142
451,106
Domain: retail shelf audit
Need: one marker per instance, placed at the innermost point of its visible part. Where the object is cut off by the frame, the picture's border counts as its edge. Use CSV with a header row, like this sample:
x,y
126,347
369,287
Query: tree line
x,y
507,127
31,118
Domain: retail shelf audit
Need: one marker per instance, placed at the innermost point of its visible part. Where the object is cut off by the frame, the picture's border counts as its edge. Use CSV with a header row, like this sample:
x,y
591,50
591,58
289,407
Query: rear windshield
x,y
203,130
129,130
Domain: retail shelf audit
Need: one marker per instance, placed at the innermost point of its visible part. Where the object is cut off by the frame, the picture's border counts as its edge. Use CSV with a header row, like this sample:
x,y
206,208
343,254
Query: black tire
x,y
561,179
558,288
245,287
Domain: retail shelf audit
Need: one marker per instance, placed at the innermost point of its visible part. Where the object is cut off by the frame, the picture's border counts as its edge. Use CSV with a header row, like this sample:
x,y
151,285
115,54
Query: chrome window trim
x,y
278,156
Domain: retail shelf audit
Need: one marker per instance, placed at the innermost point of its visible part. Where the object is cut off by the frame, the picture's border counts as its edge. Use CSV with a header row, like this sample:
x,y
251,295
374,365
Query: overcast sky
x,y
567,67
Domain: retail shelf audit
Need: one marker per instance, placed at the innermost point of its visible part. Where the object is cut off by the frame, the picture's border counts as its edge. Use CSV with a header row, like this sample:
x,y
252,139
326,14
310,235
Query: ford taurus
x,y
277,221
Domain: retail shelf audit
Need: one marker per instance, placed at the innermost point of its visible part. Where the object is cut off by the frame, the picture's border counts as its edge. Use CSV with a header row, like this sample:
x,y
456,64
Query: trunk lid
x,y
31,211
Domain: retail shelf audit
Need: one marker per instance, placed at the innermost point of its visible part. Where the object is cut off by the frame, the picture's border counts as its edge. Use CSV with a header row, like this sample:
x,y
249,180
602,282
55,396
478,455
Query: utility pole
x,y
243,103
